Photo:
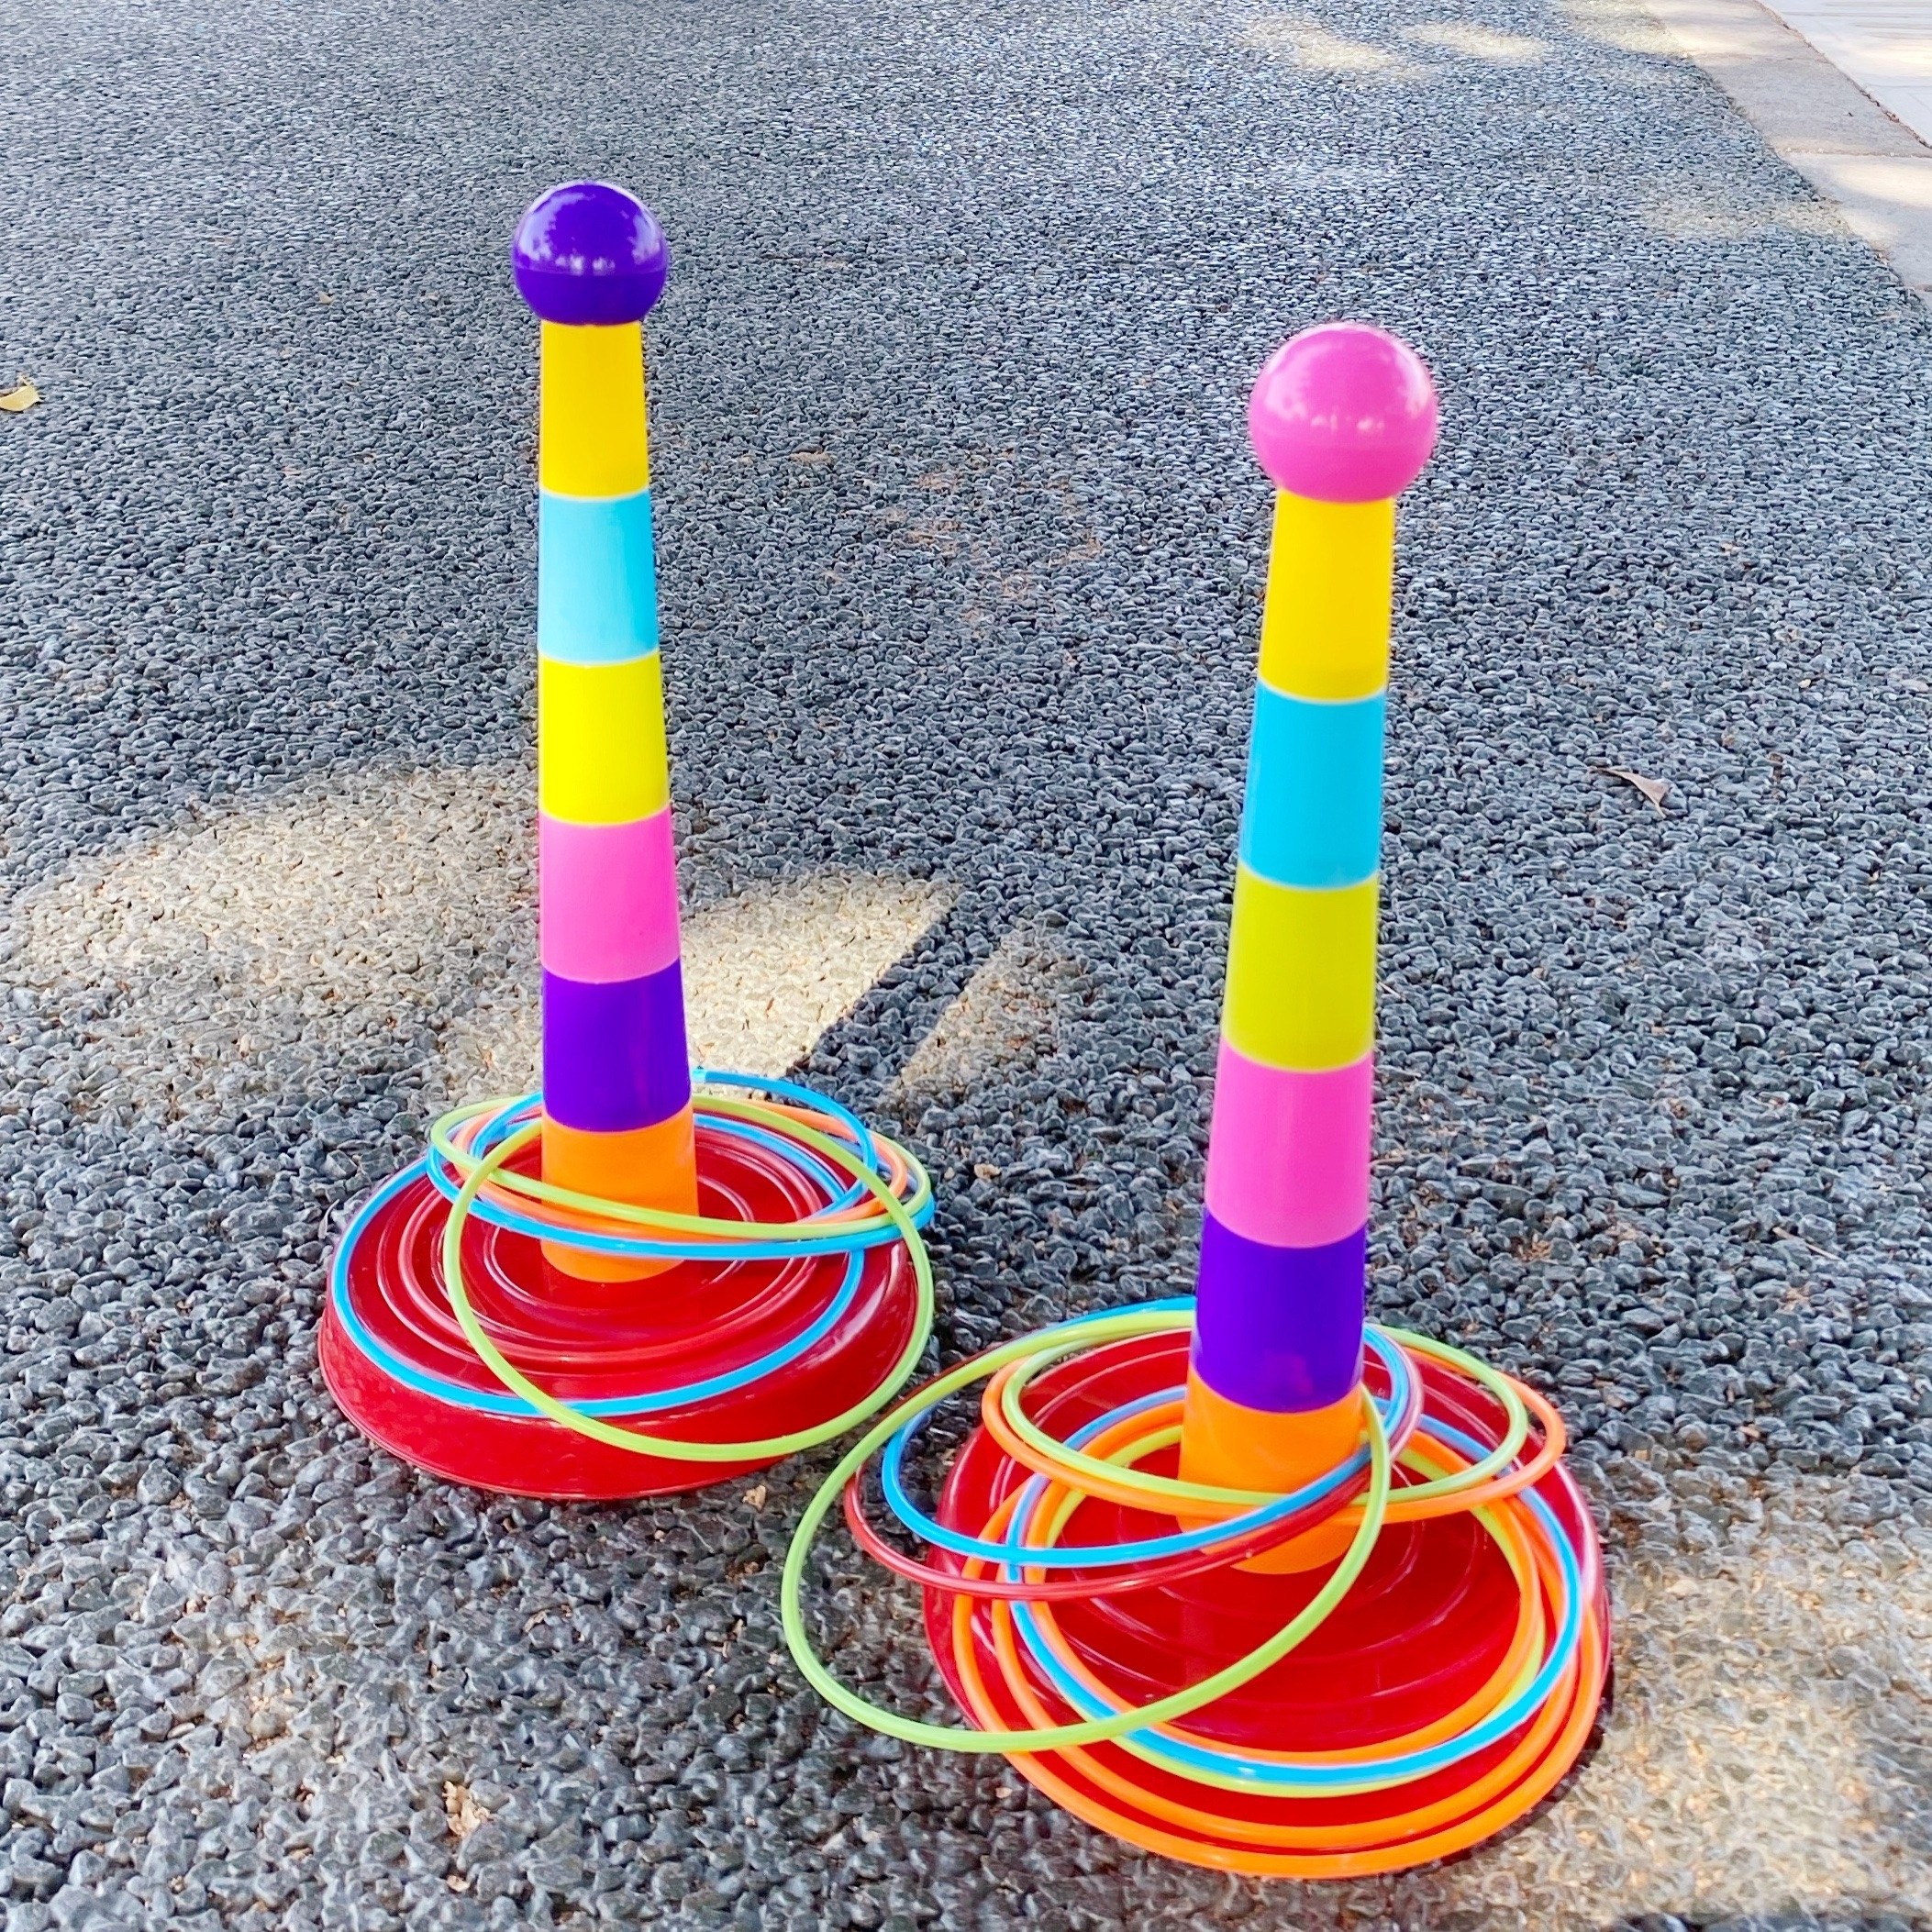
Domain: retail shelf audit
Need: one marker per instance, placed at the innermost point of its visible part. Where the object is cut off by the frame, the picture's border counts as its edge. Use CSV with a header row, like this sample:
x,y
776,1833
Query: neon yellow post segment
x,y
1325,628
1301,974
600,740
591,434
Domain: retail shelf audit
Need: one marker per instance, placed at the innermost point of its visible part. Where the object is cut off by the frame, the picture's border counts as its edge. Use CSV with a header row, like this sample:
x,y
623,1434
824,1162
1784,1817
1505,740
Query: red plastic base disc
x,y
1424,1626
590,1342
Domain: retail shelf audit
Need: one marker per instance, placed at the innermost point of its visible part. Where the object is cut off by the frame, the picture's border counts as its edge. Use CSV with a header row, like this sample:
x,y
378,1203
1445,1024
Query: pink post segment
x,y
1303,1177
609,904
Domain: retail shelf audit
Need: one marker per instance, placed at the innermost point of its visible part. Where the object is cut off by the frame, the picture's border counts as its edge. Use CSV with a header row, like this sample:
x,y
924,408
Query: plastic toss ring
x,y
800,1299
1392,1708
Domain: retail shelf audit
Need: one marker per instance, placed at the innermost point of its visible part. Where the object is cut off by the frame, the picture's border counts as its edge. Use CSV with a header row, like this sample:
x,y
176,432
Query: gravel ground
x,y
961,554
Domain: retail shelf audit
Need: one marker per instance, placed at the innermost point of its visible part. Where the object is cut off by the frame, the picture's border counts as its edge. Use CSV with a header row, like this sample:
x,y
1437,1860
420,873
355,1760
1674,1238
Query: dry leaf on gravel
x,y
465,1815
756,1496
22,396
1652,788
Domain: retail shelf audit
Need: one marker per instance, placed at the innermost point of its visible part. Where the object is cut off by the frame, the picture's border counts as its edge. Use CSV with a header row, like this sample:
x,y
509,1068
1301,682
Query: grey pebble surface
x,y
961,553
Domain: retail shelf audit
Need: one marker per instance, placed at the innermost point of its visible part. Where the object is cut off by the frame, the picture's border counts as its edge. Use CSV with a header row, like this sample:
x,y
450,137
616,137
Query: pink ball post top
x,y
638,1279
1244,1579
1343,414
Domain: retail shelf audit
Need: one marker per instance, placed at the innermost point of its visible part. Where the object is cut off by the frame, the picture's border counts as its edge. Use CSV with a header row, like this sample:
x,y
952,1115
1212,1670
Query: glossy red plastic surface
x,y
584,1341
1425,1625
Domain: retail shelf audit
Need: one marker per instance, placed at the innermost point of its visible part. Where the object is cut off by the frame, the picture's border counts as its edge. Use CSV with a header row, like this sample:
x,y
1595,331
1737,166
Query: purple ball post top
x,y
590,253
1343,414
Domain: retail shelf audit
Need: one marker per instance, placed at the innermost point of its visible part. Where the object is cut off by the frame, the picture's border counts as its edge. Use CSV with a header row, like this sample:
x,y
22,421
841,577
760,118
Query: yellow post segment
x,y
590,436
600,740
1300,975
1325,628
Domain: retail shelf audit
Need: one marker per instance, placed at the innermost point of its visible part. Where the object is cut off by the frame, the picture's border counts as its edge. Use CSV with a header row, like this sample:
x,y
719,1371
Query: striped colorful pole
x,y
1108,1605
592,262
476,1322
1342,418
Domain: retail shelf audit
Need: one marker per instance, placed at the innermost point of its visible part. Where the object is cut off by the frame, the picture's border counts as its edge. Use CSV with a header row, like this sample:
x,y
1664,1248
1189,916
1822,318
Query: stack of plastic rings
x,y
800,1323
1390,1710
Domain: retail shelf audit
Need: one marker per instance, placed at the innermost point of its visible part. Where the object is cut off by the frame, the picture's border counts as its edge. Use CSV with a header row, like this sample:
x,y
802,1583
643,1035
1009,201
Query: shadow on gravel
x,y
1767,1752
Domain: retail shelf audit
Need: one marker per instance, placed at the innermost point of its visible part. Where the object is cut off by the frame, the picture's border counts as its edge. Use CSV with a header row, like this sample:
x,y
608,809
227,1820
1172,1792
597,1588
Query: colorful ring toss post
x,y
631,1283
1213,1575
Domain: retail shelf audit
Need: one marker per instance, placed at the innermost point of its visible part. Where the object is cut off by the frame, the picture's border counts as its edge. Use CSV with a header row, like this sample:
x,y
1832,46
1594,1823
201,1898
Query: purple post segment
x,y
1280,1329
589,253
614,1052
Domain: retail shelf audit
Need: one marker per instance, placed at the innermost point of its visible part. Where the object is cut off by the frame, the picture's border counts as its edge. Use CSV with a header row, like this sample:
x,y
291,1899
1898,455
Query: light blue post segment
x,y
596,578
1312,815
